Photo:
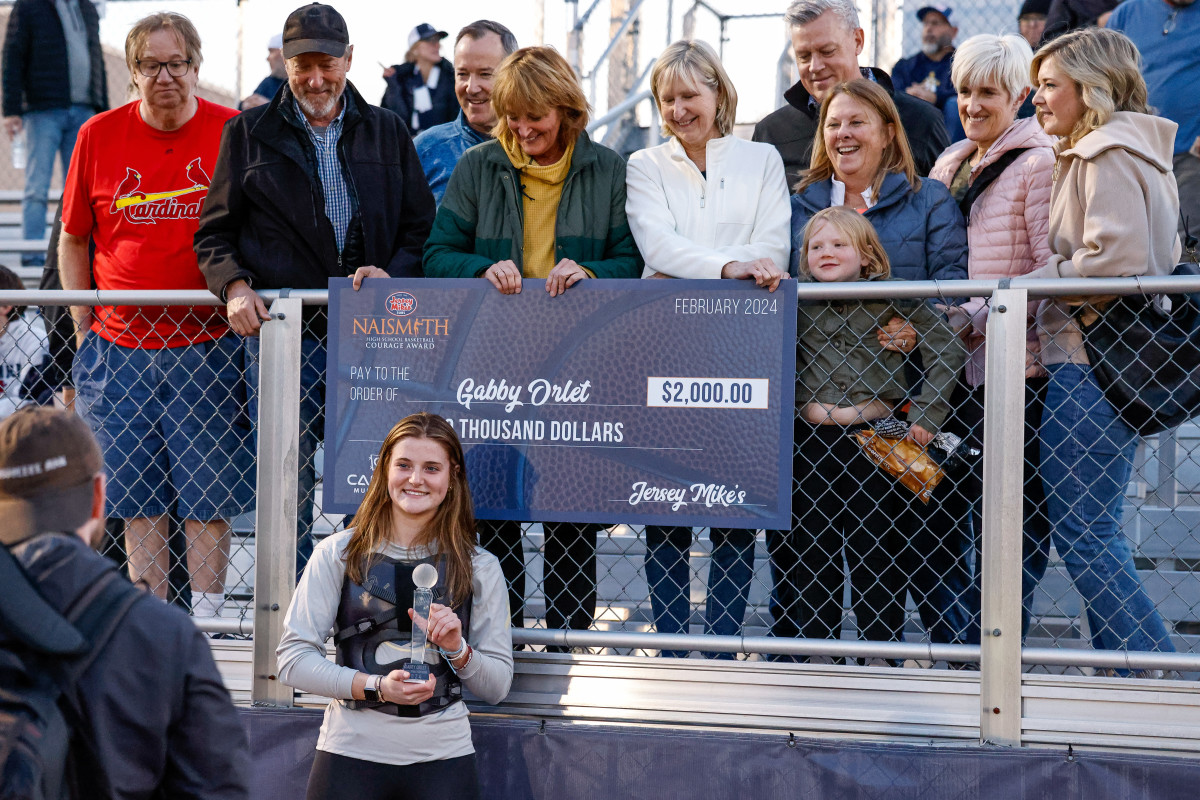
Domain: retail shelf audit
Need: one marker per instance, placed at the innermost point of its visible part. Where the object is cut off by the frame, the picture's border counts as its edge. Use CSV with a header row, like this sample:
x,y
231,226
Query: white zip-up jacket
x,y
687,225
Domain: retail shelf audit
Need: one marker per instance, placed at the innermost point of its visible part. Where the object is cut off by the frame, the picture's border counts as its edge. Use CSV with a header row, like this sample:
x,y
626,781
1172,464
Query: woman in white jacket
x,y
704,205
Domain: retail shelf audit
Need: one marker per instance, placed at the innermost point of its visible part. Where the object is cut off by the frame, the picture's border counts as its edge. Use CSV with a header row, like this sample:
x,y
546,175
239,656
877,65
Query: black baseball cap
x,y
315,28
48,458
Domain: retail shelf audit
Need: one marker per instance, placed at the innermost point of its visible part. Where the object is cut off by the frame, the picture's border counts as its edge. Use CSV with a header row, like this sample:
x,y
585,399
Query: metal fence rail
x,y
1159,525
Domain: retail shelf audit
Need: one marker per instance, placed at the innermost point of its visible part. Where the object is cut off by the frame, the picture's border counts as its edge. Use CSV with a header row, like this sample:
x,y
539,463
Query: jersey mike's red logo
x,y
400,304
141,207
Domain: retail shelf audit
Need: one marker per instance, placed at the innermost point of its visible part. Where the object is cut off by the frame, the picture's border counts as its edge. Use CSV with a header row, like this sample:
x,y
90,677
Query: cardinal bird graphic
x,y
128,188
197,175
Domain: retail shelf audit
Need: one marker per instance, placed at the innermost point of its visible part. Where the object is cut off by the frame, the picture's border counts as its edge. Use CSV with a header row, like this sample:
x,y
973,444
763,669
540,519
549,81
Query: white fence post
x,y
1003,492
278,470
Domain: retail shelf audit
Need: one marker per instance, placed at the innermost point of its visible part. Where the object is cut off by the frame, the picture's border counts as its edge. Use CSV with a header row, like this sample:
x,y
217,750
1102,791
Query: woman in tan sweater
x,y
1113,212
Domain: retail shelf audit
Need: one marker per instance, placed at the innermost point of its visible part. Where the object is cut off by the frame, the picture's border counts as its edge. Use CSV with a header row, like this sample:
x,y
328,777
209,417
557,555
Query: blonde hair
x,y
1106,69
693,63
451,532
986,58
897,155
178,24
532,81
862,235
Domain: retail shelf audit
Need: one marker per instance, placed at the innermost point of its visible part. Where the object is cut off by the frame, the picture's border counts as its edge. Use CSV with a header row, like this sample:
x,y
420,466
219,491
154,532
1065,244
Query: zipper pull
x,y
722,183
702,201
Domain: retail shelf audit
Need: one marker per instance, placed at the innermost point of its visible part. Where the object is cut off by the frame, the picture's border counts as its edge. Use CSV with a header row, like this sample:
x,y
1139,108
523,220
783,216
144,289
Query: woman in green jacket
x,y
540,201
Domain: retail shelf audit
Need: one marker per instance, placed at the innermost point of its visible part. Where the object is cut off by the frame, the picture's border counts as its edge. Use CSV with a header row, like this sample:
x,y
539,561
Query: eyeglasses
x,y
176,69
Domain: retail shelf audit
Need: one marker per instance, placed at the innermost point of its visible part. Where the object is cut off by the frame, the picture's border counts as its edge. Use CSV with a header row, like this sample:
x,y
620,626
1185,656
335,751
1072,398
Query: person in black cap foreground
x,y
827,40
159,721
284,211
421,90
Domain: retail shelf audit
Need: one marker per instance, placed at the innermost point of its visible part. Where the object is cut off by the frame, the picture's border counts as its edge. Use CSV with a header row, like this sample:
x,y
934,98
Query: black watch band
x,y
370,693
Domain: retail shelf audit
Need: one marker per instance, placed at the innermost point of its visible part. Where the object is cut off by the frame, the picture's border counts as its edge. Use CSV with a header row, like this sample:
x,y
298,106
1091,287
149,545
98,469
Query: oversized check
x,y
641,401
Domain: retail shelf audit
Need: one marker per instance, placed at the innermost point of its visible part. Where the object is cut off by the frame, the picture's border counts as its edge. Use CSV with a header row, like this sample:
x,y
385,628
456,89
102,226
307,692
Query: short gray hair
x,y
482,27
802,12
987,57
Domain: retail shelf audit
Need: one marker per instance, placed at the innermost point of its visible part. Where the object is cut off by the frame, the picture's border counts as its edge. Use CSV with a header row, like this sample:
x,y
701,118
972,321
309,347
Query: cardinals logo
x,y
140,207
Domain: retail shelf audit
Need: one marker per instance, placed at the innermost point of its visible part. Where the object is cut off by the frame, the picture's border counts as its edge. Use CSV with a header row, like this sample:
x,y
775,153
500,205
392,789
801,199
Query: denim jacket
x,y
440,148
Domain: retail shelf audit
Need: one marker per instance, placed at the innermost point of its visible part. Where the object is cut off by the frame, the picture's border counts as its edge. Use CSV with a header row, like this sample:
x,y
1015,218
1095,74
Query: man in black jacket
x,y
826,42
315,185
53,79
157,719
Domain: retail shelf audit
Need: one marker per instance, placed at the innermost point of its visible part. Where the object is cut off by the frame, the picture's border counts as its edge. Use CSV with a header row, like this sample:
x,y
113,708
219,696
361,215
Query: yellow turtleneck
x,y
541,190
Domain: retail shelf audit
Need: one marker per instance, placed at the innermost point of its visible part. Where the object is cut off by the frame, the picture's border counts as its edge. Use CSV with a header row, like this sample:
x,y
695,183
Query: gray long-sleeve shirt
x,y
371,735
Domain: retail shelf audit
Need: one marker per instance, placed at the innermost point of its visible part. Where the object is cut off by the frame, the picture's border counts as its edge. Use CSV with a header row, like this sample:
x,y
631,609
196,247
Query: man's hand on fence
x,y
367,272
245,308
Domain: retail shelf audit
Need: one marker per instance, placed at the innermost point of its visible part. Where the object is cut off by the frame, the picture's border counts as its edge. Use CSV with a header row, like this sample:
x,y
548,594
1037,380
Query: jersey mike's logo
x,y
400,304
141,207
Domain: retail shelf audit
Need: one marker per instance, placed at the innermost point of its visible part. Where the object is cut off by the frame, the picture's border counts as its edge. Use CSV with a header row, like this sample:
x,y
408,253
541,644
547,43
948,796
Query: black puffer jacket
x,y
35,59
398,96
264,219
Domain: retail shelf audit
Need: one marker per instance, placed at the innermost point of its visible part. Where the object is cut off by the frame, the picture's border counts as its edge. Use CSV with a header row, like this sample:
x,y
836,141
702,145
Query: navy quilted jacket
x,y
922,232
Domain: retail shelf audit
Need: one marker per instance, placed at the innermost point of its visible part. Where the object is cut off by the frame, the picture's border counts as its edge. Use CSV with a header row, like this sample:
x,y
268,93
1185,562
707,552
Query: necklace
x,y
1169,25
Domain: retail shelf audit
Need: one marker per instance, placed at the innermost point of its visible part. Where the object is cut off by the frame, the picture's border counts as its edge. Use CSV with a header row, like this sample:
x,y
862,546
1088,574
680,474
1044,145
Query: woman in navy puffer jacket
x,y
862,160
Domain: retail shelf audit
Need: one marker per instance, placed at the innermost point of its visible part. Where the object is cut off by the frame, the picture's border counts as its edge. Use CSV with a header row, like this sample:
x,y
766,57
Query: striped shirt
x,y
329,168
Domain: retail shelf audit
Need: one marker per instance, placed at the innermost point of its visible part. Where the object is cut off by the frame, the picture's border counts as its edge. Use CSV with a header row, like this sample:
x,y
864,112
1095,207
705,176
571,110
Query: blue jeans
x,y
47,133
312,424
1087,456
731,569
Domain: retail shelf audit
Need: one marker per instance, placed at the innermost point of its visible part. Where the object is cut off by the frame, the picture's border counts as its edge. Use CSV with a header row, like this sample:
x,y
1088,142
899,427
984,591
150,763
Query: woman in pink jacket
x,y
1001,175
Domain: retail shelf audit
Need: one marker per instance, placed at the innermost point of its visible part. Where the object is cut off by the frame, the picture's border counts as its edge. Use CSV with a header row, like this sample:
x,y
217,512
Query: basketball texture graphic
x,y
579,435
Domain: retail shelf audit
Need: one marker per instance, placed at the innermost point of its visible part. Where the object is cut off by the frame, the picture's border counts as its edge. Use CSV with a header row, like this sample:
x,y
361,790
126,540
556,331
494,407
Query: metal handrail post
x,y
1003,492
278,479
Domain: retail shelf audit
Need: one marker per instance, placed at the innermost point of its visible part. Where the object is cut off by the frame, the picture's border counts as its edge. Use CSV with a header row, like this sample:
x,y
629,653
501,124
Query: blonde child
x,y
842,504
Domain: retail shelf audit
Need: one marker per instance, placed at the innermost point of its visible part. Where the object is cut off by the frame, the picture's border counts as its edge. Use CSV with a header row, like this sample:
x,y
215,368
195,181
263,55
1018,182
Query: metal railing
x,y
1000,655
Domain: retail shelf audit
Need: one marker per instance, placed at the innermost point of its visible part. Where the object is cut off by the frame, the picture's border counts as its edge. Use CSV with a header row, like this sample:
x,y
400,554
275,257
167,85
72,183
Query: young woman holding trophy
x,y
418,611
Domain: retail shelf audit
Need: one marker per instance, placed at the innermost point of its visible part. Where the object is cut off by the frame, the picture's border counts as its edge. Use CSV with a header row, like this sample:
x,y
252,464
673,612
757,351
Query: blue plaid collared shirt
x,y
337,195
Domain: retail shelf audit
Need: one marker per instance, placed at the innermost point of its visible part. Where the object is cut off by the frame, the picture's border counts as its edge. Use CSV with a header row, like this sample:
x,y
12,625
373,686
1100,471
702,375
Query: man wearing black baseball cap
x,y
926,74
285,211
159,720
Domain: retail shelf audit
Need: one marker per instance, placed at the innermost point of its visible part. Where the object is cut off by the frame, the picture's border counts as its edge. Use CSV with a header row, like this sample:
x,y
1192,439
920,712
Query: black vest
x,y
376,612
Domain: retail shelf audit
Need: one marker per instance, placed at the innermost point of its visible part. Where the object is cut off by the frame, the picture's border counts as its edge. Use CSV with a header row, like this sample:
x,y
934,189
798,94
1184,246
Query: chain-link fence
x,y
1110,547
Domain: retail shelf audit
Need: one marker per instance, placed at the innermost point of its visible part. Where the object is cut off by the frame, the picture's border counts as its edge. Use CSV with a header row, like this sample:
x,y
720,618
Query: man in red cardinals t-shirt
x,y
157,384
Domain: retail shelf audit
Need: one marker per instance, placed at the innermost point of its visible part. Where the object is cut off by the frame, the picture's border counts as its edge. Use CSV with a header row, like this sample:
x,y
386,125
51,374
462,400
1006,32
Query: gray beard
x,y
315,111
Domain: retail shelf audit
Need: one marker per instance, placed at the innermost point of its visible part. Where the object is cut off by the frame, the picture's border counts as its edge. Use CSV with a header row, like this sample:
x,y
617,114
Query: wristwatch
x,y
371,690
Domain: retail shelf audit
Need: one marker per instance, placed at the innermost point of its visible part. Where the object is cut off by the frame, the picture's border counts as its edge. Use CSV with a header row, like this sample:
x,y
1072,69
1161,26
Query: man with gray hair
x,y
317,184
827,40
478,50
152,715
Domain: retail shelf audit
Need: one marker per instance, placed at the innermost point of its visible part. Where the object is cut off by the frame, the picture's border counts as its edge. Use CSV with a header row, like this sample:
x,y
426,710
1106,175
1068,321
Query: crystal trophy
x,y
425,577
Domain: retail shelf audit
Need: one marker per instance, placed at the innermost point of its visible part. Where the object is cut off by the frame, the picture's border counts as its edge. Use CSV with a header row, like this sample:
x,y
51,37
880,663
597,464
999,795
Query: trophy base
x,y
417,672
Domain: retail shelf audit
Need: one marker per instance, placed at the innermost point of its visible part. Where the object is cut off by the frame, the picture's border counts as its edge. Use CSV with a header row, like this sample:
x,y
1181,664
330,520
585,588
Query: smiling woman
x,y
387,730
542,200
1001,177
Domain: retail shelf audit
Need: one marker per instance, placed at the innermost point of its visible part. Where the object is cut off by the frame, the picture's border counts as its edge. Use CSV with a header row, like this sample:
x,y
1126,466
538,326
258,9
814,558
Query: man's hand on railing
x,y
367,272
245,309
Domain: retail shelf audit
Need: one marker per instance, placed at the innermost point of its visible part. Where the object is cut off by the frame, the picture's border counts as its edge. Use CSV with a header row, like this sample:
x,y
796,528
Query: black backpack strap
x,y
985,178
369,624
